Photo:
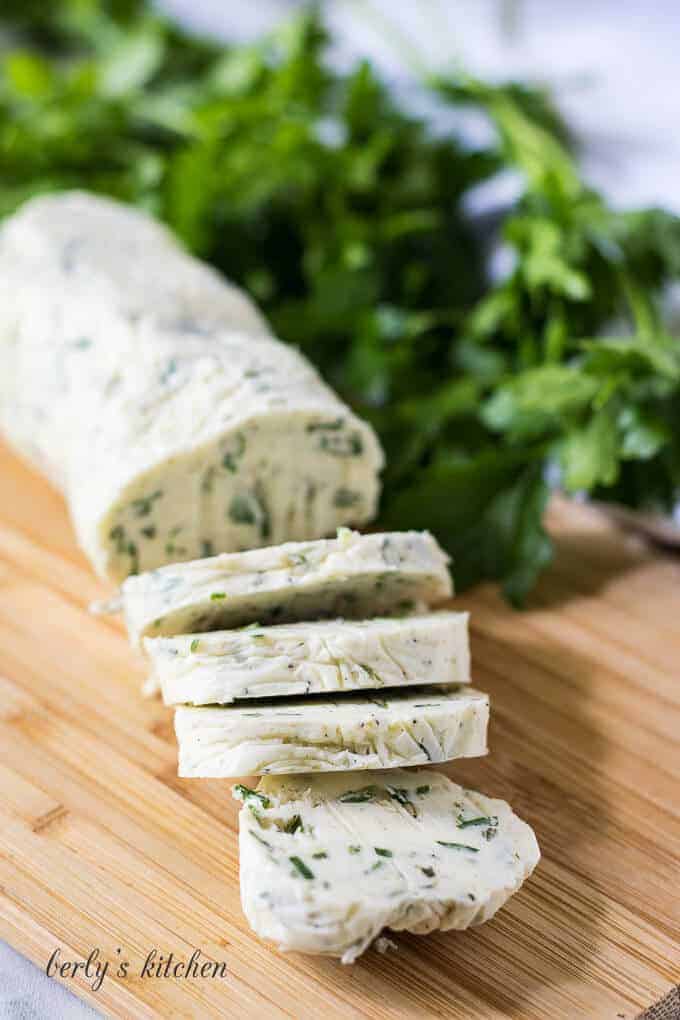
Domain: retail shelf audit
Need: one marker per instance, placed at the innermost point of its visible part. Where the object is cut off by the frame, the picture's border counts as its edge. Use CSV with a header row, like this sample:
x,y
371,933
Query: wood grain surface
x,y
102,846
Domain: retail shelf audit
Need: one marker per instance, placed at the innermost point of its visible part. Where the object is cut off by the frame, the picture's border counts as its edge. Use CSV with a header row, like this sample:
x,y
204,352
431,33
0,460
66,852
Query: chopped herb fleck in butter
x,y
142,506
458,846
250,508
259,839
358,796
346,498
208,480
342,445
233,455
326,426
301,867
401,796
244,793
466,823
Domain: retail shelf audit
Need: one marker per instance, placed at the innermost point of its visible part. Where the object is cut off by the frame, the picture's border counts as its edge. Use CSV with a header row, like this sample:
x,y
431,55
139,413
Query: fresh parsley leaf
x,y
347,219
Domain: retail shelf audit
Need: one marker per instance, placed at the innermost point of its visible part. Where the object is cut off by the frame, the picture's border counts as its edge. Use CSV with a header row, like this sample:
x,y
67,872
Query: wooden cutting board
x,y
103,847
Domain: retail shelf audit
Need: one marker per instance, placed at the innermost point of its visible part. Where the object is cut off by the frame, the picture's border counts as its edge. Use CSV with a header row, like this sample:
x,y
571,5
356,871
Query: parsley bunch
x,y
348,221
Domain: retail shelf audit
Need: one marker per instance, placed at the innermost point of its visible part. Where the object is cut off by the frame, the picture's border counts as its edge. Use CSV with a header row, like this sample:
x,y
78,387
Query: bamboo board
x,y
102,846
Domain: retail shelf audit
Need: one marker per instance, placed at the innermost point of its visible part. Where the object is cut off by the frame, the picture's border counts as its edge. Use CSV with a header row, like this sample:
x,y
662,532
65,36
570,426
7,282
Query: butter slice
x,y
352,575
328,862
317,734
311,658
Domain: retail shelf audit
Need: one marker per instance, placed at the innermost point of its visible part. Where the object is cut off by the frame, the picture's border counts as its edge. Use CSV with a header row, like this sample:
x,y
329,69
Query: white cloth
x,y
26,993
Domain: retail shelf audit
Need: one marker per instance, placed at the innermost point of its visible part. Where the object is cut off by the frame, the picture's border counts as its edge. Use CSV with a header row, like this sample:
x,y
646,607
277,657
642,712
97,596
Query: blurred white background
x,y
613,65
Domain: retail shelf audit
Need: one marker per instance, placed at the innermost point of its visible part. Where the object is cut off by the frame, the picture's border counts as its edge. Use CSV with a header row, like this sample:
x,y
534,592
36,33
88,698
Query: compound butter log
x,y
152,393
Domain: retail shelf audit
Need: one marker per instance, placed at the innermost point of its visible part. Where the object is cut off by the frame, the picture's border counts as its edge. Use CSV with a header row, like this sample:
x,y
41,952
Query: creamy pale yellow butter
x,y
152,392
328,862
352,575
311,658
320,734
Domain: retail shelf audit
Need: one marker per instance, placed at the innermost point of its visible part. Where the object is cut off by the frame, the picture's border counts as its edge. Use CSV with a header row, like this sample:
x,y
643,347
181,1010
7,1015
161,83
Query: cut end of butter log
x,y
328,862
328,656
317,734
151,390
352,575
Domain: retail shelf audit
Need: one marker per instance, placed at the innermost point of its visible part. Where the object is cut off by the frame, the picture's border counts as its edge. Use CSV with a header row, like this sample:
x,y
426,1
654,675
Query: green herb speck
x,y
344,498
208,480
366,793
401,796
232,456
342,445
259,839
142,506
301,867
244,793
423,748
326,426
457,846
250,508
466,823
169,370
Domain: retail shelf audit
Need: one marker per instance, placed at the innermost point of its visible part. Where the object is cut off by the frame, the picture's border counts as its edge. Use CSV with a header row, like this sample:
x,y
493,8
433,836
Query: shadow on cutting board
x,y
547,749
590,552
555,695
